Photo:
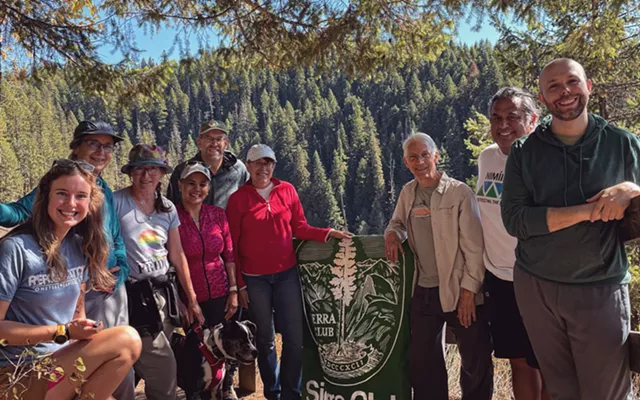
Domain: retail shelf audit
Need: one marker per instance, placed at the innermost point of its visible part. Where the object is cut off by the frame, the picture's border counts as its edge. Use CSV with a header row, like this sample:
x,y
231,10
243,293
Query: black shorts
x,y
510,339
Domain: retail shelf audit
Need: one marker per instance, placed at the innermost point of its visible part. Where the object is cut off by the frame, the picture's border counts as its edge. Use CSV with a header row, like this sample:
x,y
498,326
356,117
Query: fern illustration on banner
x,y
343,285
355,305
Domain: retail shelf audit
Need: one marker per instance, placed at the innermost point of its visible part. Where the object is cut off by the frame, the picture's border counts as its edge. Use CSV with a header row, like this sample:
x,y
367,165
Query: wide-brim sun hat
x,y
142,155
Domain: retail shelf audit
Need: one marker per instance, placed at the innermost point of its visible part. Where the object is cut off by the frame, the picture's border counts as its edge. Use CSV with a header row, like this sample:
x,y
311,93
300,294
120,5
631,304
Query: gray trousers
x,y
157,364
579,335
427,369
112,309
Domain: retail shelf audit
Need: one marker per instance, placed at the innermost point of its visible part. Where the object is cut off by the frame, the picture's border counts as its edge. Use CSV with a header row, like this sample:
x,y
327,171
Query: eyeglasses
x,y
217,139
195,162
66,163
262,164
152,171
94,145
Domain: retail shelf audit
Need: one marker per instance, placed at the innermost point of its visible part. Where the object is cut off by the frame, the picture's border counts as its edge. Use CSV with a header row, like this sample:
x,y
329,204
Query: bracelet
x,y
233,288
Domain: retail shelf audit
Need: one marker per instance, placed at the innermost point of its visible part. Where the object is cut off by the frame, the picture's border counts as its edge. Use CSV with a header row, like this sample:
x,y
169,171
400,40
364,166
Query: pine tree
x,y
339,178
10,176
301,178
190,148
323,210
174,148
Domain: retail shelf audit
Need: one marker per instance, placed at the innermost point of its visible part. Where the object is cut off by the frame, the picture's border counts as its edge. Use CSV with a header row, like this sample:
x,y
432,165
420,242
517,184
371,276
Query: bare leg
x,y
108,357
527,381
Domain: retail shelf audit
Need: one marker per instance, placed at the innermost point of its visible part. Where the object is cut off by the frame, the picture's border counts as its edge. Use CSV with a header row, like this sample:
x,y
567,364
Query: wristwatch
x,y
233,288
62,334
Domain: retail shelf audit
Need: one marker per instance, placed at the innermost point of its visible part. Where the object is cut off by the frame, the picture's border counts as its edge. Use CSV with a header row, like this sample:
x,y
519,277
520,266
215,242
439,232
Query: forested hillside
x,y
338,140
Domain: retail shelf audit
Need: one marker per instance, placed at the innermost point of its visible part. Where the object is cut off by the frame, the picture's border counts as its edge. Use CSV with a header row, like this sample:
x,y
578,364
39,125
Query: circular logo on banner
x,y
354,305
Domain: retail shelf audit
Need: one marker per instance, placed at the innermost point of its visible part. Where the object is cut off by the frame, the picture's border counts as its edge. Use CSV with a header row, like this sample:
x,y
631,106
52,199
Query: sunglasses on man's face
x,y
66,163
194,162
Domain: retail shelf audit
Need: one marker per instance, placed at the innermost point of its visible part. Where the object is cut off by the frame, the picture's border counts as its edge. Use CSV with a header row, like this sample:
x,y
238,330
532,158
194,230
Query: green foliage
x,y
356,126
358,37
322,207
10,172
479,138
601,35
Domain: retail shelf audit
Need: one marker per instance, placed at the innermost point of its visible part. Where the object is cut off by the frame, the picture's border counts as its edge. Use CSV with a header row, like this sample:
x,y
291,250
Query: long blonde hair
x,y
94,242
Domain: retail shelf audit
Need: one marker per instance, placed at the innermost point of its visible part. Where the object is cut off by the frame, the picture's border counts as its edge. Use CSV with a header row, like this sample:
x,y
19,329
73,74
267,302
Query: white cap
x,y
193,168
258,151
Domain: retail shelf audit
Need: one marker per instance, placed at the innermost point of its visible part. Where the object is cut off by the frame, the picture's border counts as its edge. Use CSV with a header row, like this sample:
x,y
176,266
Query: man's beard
x,y
215,156
568,115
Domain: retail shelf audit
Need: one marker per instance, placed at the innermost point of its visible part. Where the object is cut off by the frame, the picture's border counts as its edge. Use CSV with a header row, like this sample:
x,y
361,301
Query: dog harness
x,y
216,364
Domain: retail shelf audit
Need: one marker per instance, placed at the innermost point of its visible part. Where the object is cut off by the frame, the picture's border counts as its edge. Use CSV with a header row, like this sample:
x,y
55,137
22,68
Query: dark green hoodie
x,y
543,172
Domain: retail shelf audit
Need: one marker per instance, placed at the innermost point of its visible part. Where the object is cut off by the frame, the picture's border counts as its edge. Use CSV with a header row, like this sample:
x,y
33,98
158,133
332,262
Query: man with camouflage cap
x,y
227,172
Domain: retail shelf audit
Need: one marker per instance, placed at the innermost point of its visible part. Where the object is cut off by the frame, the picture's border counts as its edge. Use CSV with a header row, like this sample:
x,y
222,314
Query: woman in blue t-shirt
x,y
46,266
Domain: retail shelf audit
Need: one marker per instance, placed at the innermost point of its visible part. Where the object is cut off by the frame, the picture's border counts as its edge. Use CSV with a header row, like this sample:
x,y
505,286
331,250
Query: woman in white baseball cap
x,y
264,216
204,232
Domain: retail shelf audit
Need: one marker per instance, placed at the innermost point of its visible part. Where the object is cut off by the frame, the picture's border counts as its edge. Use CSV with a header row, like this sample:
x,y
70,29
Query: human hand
x,y
610,203
340,234
115,269
231,306
466,308
194,312
243,298
392,244
82,328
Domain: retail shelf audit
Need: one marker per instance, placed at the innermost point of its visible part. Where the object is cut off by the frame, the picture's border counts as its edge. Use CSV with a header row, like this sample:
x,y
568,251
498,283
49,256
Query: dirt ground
x,y
257,395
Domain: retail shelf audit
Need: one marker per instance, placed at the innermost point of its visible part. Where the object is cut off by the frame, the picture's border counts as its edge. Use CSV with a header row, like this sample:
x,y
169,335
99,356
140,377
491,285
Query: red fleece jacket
x,y
262,231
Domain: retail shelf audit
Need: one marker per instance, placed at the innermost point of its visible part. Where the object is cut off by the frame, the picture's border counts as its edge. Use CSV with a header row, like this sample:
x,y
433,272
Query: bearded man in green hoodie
x,y
566,187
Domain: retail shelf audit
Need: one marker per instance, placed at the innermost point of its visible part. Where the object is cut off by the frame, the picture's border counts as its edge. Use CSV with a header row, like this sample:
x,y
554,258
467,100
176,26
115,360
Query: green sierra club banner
x,y
356,306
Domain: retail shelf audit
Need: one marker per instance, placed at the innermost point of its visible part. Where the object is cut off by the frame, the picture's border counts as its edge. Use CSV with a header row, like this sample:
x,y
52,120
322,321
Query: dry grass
x,y
501,377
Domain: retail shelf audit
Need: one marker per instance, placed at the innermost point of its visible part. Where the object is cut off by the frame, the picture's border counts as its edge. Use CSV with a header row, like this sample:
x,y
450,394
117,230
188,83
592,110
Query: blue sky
x,y
165,39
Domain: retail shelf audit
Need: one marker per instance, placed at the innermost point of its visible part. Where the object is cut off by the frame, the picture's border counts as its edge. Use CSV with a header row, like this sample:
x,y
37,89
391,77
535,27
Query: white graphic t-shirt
x,y
499,246
145,236
34,297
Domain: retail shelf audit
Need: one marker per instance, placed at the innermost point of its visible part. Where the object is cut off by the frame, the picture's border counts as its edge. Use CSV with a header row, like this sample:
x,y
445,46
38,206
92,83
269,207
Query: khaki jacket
x,y
457,237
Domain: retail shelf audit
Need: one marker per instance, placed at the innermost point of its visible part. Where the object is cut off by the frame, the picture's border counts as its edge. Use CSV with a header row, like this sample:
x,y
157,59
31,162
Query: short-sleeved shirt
x,y
35,297
499,247
145,236
423,234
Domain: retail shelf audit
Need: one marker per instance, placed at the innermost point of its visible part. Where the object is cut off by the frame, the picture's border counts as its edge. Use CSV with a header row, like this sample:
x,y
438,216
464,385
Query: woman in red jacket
x,y
206,241
264,216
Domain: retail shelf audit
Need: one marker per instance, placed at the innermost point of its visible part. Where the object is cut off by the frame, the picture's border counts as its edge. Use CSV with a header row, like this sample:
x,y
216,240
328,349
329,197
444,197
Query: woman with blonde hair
x,y
46,266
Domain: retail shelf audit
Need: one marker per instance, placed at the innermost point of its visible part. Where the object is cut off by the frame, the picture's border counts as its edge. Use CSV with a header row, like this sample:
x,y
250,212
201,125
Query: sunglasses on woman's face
x,y
66,163
194,162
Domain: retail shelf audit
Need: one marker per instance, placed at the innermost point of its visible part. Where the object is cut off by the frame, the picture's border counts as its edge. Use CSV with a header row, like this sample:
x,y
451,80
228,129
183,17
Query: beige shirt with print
x,y
457,237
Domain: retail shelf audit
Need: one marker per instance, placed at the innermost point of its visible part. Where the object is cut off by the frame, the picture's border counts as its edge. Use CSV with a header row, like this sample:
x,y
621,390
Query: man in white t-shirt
x,y
513,114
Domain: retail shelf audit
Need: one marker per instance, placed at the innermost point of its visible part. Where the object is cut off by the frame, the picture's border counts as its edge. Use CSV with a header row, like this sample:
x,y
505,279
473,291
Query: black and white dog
x,y
200,362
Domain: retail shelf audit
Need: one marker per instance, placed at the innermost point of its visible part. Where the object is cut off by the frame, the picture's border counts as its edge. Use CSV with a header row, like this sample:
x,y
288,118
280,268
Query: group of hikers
x,y
529,266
